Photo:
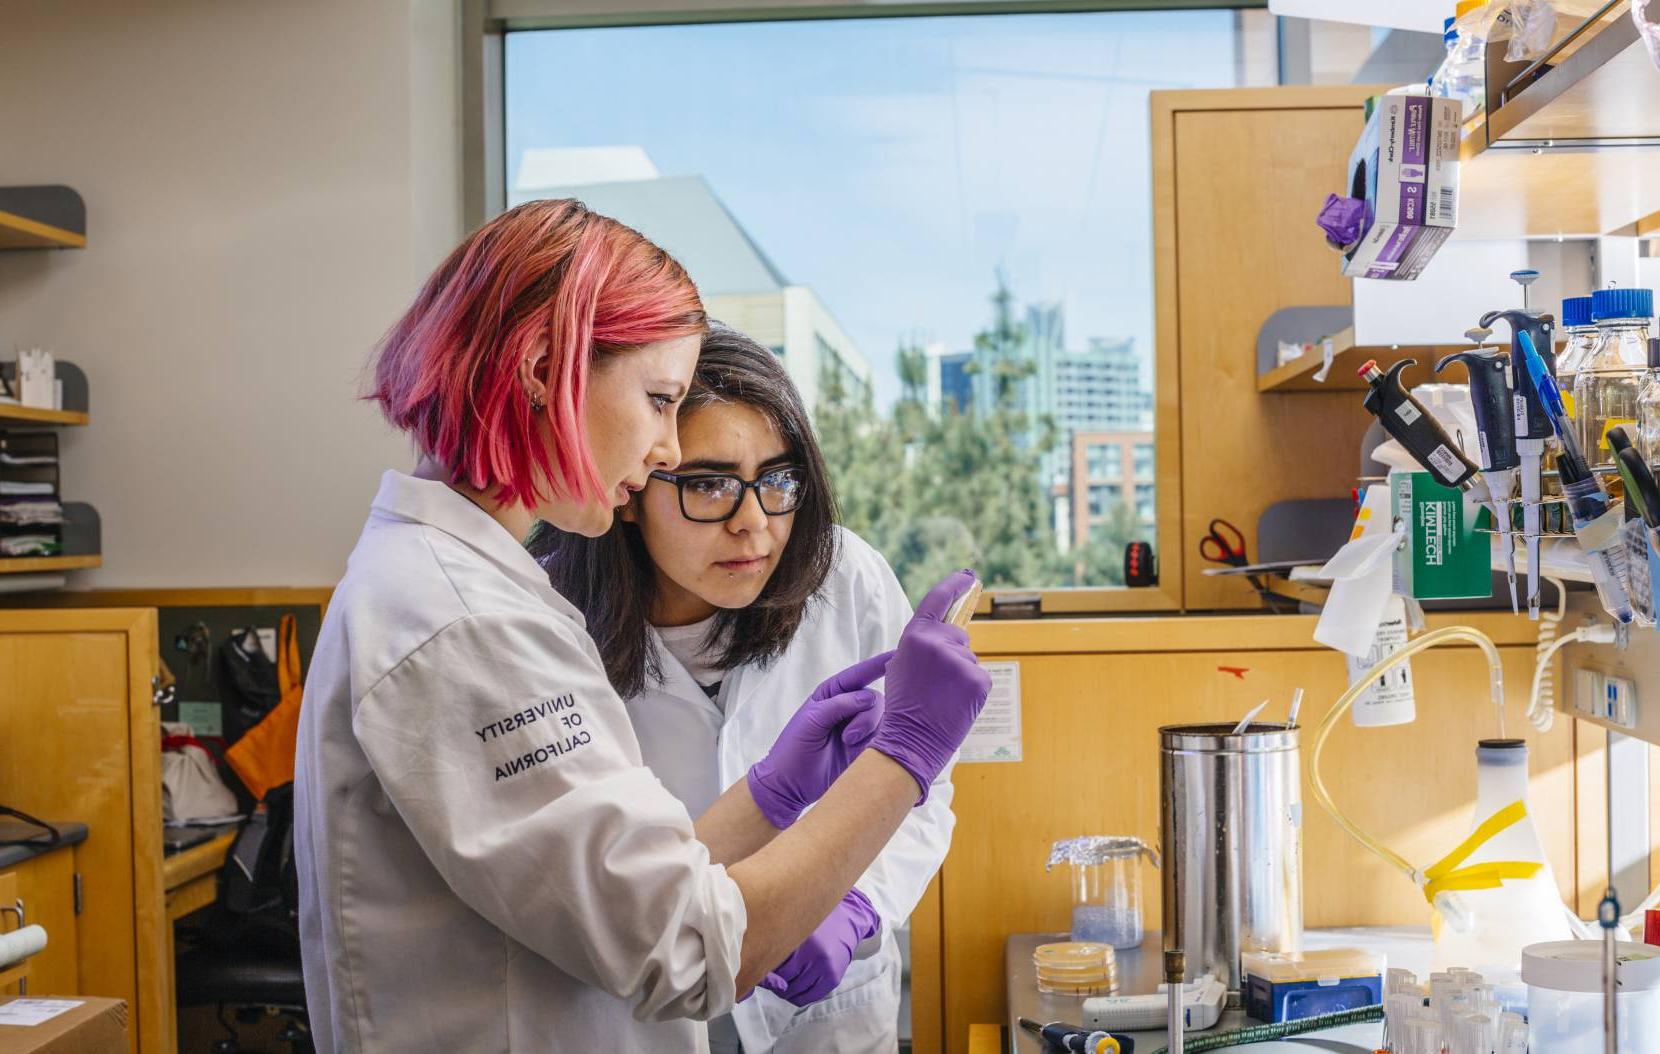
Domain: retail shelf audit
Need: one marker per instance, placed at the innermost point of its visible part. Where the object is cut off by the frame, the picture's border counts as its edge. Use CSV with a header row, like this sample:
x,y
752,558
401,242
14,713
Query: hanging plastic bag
x,y
1532,29
1646,13
190,785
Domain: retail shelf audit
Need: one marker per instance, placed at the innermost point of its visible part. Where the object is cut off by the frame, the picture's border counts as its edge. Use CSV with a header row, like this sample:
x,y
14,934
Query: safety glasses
x,y
715,497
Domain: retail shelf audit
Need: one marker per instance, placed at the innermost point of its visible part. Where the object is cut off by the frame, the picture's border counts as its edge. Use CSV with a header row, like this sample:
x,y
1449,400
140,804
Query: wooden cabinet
x,y
1238,178
80,737
44,888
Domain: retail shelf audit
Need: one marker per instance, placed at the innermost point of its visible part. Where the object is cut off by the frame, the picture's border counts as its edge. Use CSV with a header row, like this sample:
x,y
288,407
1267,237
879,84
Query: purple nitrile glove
x,y
823,737
935,688
1343,219
815,968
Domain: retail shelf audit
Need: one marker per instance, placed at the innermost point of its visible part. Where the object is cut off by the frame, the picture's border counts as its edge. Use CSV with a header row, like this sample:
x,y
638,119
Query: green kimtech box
x,y
1448,553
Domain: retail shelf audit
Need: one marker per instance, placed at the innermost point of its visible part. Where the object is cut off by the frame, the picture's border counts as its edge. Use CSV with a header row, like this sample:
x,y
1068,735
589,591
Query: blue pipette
x,y
1570,463
1597,533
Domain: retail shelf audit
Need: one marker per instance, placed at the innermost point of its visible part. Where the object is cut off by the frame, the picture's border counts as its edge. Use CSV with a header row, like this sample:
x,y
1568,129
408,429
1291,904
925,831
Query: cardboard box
x,y
1405,167
77,1024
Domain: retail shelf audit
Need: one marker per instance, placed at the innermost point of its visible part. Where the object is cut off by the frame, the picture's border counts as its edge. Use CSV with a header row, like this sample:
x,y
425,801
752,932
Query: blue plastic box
x,y
1289,987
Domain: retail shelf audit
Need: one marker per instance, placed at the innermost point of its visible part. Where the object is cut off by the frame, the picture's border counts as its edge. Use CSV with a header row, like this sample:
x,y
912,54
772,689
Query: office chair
x,y
247,962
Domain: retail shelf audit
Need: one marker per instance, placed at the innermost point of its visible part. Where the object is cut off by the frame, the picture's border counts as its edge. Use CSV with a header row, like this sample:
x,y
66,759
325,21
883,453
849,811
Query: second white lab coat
x,y
485,865
698,750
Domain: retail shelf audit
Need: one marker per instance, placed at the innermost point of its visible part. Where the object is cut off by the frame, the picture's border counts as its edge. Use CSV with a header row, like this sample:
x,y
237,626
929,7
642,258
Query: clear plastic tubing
x,y
1598,535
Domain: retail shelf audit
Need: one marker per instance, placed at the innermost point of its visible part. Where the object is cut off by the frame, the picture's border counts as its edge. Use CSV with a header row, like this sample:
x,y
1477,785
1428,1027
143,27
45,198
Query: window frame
x,y
483,90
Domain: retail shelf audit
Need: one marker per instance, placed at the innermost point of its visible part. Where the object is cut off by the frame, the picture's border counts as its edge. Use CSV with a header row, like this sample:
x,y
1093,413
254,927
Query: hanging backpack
x,y
264,757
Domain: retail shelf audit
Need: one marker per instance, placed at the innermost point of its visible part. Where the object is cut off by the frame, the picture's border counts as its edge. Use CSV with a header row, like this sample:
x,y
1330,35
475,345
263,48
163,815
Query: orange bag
x,y
264,757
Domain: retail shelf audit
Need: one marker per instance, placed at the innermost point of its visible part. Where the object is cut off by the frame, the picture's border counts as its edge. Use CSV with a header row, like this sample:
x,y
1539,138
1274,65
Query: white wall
x,y
266,185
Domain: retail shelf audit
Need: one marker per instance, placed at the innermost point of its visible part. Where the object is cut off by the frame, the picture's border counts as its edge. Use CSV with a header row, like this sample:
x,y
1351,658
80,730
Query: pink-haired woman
x,y
485,864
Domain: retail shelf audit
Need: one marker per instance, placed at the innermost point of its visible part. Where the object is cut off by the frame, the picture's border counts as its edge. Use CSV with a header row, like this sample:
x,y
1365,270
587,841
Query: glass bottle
x,y
1609,382
1581,334
1648,409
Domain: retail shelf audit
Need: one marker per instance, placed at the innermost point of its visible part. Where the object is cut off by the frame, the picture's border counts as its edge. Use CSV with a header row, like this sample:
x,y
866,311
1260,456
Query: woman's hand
x,y
823,737
815,968
935,688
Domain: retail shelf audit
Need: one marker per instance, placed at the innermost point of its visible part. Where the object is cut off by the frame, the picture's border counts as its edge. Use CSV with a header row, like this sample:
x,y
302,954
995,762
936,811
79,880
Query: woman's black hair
x,y
612,581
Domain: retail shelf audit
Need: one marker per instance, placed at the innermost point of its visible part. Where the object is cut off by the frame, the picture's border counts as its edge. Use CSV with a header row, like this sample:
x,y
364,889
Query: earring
x,y
537,405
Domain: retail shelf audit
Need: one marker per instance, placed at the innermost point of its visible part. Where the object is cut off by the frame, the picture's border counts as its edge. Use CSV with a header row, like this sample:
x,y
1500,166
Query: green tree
x,y
934,489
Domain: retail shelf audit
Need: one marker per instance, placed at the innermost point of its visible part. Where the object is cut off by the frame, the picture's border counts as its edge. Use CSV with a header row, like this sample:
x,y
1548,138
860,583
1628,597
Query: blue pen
x,y
1598,534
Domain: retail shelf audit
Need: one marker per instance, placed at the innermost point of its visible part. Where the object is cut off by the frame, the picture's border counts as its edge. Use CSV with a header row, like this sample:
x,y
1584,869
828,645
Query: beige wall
x,y
266,183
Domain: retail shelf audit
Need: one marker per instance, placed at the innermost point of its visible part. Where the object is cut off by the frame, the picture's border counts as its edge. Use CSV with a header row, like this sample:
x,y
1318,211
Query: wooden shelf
x,y
1298,374
1601,88
15,565
47,217
1576,153
10,412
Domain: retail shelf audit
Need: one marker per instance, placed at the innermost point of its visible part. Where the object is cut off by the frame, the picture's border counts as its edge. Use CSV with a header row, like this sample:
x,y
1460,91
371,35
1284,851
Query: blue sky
x,y
894,165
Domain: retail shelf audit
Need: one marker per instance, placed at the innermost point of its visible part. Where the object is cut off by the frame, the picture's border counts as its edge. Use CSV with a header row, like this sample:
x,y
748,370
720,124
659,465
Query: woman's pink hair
x,y
448,372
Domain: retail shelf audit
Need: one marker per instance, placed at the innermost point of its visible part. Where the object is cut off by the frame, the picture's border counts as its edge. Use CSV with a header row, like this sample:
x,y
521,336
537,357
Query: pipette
x,y
1250,715
1496,427
1405,419
1598,533
1533,429
1296,705
1061,1036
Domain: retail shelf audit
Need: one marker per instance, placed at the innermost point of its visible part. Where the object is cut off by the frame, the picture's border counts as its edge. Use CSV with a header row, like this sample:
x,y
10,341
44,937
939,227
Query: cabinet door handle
x,y
22,921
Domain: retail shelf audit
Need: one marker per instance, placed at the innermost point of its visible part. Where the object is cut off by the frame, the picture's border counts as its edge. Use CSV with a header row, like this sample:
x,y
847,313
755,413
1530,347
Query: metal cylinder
x,y
1231,819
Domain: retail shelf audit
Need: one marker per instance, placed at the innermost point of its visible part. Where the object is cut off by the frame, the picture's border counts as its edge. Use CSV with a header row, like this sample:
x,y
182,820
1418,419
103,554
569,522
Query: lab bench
x,y
1141,969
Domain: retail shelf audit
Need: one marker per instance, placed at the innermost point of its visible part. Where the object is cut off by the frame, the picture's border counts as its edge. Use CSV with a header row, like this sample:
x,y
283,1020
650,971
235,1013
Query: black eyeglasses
x,y
715,497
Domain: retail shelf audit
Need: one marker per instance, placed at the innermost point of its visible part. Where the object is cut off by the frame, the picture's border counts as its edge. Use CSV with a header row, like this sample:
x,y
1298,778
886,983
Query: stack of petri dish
x,y
1076,968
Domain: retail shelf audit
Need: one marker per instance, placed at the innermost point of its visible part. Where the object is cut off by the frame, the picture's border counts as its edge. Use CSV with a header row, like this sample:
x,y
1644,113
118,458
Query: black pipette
x,y
1496,426
1405,418
1533,428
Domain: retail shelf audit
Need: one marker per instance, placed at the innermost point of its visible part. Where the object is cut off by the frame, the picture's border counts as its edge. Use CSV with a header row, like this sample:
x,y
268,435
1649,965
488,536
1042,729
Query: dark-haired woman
x,y
726,595
485,862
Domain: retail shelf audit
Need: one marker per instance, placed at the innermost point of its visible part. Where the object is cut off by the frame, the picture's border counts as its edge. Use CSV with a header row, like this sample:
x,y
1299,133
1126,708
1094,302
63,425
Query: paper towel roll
x,y
20,944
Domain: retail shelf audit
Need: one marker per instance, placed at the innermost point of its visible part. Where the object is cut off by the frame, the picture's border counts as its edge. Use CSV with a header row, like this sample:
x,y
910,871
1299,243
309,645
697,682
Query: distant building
x,y
740,285
950,384
1109,469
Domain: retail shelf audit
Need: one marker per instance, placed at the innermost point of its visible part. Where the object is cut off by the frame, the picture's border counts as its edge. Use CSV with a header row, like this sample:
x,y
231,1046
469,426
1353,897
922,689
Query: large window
x,y
944,225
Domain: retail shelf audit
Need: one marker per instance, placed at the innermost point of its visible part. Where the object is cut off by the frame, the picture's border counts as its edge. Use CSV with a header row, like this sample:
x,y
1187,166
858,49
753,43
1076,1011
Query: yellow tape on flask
x,y
1445,874
1503,820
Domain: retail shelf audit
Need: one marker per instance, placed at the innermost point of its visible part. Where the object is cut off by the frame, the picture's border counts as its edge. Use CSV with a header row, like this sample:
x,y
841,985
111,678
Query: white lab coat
x,y
698,751
485,864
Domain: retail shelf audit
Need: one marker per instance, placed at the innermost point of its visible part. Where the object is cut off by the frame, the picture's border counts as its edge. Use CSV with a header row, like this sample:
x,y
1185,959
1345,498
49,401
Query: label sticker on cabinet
x,y
996,732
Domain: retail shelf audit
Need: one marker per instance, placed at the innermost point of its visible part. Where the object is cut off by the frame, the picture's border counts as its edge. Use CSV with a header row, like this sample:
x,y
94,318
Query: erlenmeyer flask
x,y
1495,894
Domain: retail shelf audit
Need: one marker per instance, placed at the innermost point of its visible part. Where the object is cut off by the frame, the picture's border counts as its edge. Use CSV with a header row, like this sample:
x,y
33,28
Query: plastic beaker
x,y
1105,875
1565,1000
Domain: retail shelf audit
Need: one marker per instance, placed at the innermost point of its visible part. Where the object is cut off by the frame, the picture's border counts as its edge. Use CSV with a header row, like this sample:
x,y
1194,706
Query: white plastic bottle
x,y
1486,929
1463,74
